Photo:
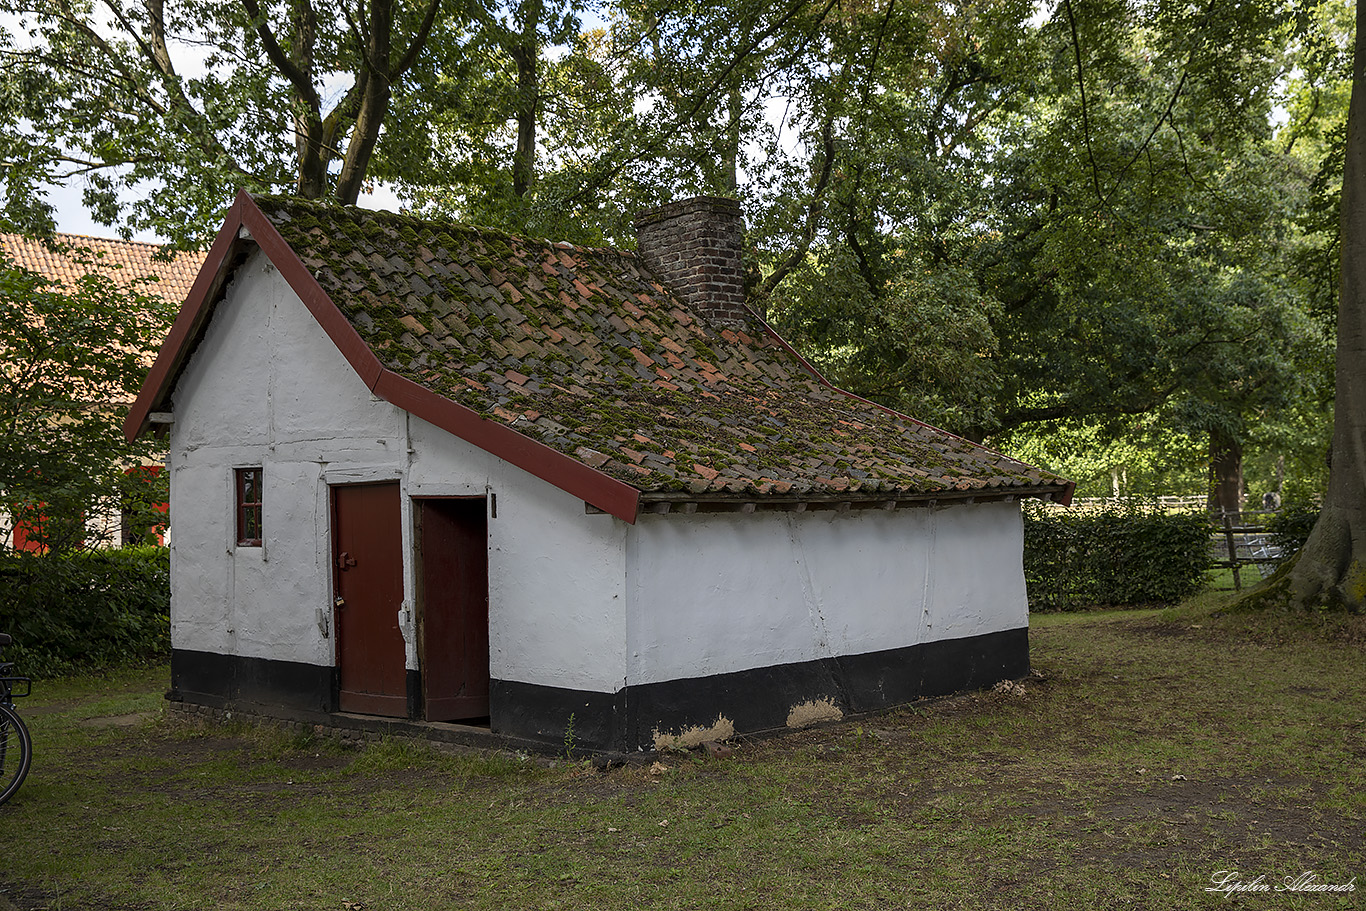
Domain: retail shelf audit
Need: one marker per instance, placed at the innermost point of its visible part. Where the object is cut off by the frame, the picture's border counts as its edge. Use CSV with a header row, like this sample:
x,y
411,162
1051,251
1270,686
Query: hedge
x,y
1125,554
84,611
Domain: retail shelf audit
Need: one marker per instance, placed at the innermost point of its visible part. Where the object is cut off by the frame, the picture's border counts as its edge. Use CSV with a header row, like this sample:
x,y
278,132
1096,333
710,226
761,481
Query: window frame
x,y
242,505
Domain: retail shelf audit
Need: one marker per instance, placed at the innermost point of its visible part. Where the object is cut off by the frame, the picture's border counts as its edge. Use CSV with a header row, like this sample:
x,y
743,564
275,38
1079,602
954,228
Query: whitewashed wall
x,y
266,387
722,592
557,599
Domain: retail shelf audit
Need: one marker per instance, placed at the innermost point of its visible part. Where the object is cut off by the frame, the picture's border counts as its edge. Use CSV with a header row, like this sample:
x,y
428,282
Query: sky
x,y
73,218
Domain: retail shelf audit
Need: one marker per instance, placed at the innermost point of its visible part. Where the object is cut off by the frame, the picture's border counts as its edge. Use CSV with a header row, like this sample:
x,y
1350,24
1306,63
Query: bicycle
x,y
16,747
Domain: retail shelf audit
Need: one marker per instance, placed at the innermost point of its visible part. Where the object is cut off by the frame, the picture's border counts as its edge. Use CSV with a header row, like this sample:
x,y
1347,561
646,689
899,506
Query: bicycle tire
x,y
16,752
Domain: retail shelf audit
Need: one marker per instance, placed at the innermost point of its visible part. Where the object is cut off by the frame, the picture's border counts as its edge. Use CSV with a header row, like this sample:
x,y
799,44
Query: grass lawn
x,y
1149,751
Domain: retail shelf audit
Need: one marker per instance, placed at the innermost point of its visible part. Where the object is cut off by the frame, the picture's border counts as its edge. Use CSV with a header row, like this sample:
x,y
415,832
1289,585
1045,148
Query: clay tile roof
x,y
126,262
584,350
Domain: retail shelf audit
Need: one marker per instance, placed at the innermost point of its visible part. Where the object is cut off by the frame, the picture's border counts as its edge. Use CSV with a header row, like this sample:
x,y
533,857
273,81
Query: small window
x,y
249,507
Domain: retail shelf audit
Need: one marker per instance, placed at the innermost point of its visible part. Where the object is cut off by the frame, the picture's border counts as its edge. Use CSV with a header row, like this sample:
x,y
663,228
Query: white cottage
x,y
430,472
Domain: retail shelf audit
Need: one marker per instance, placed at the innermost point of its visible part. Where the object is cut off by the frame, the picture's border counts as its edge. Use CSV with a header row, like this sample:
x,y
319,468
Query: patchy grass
x,y
1150,750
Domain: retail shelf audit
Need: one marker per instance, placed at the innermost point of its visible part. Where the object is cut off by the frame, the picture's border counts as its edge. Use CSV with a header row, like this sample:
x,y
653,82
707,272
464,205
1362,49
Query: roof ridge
x,y
444,223
65,237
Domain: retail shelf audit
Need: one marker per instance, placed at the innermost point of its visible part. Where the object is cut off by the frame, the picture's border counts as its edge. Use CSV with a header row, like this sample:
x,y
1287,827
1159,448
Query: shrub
x,y
1123,554
70,613
1290,527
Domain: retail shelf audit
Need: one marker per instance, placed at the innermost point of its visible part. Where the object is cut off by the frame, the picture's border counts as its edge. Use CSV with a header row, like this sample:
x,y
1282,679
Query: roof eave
x,y
655,501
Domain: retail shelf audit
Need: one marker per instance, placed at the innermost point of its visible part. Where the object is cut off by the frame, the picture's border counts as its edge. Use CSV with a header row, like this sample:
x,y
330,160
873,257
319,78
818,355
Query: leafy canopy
x,y
72,360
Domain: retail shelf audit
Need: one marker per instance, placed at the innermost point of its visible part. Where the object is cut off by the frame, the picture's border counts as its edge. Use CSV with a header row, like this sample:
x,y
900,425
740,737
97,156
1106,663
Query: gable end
x,y
247,224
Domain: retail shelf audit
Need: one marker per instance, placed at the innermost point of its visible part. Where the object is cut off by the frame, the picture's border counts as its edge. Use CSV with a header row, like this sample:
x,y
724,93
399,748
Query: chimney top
x,y
695,246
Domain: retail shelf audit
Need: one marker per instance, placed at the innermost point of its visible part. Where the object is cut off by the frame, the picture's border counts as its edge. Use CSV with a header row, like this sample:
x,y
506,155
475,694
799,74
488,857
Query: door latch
x,y
345,560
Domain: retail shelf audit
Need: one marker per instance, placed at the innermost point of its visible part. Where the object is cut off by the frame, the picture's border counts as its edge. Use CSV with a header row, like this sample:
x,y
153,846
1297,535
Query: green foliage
x,y
922,342
1125,554
85,611
144,494
1143,458
72,360
1290,527
163,111
993,215
570,739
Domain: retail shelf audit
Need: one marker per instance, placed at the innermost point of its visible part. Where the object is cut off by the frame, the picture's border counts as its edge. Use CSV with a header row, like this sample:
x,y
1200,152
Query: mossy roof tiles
x,y
587,352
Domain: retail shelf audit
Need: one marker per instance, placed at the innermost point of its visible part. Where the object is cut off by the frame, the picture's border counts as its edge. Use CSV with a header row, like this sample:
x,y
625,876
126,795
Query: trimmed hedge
x,y
72,613
1125,554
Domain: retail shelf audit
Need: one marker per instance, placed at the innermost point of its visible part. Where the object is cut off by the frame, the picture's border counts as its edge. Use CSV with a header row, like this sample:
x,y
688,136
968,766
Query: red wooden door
x,y
454,608
367,566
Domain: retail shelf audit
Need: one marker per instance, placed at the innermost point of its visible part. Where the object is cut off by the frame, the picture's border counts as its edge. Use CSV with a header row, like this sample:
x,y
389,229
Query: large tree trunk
x,y
308,124
1331,569
1225,474
374,104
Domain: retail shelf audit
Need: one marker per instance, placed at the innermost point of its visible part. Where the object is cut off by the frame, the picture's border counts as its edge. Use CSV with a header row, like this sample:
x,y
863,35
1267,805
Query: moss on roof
x,y
586,351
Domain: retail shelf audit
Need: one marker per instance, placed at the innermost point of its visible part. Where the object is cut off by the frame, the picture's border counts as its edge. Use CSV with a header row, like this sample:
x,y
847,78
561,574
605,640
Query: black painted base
x,y
758,699
754,700
225,681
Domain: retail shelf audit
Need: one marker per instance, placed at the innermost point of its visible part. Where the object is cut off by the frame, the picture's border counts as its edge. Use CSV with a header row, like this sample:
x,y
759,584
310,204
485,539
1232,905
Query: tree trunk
x,y
1225,475
1331,569
308,125
528,99
374,105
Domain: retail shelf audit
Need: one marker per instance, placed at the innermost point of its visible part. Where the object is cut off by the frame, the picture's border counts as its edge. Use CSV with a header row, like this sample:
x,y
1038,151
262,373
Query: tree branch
x,y
1166,116
419,41
813,212
297,78
651,147
1085,116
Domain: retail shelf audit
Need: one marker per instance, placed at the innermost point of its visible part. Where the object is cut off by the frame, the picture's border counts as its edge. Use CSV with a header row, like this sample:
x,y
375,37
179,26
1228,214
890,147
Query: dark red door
x,y
367,566
454,607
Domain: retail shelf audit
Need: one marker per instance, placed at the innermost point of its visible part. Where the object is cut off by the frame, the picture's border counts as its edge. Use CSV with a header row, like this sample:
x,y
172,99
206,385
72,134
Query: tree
x,y
994,223
523,77
72,359
1330,571
187,102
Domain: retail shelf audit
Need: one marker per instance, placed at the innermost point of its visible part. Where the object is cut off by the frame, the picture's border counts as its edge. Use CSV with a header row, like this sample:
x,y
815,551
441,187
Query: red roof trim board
x,y
604,492
573,477
187,326
296,274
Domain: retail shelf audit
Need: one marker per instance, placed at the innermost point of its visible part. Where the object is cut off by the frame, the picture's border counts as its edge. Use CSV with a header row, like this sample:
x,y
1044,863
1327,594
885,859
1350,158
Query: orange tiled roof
x,y
587,352
126,262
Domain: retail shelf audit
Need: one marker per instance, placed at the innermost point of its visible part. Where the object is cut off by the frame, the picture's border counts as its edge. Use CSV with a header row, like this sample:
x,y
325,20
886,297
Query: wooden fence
x,y
1169,503
1244,541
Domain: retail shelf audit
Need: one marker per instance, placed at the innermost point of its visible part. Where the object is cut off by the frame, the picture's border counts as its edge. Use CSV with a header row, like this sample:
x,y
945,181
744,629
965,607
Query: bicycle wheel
x,y
16,751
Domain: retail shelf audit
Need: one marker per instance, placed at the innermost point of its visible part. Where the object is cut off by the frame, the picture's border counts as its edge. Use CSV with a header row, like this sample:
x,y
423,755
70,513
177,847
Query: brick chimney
x,y
694,246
